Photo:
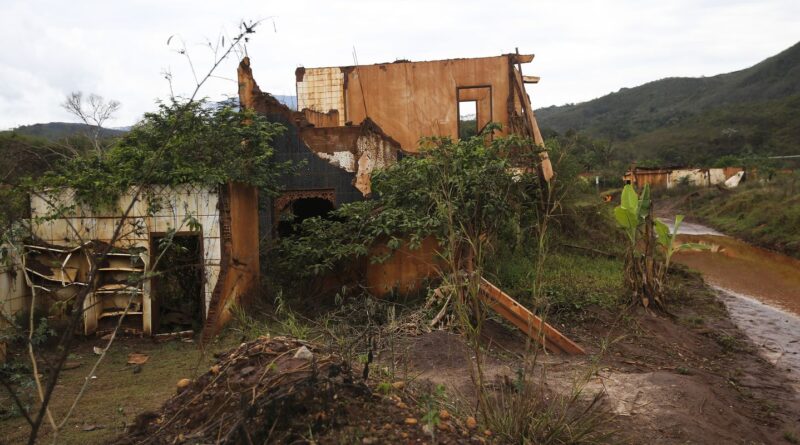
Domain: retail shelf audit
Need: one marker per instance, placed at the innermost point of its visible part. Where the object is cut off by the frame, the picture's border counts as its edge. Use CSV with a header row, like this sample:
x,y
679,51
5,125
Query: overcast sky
x,y
584,49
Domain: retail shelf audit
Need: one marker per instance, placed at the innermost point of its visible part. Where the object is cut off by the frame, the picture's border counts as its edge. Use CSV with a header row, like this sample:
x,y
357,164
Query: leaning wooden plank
x,y
526,321
523,325
532,125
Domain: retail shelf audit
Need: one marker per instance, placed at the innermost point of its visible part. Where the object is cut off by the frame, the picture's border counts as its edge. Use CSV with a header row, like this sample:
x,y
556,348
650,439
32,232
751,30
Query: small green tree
x,y
464,183
650,247
180,143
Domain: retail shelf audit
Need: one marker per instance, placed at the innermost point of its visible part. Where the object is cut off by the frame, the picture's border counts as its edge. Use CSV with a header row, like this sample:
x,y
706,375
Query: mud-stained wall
x,y
315,173
241,274
173,205
331,139
13,291
373,152
332,157
405,271
317,119
409,100
14,296
355,149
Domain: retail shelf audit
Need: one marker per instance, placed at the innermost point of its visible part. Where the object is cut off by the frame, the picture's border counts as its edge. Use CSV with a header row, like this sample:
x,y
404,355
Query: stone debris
x,y
303,354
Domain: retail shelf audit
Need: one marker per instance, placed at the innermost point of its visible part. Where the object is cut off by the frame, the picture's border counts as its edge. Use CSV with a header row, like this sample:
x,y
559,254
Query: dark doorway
x,y
299,210
177,289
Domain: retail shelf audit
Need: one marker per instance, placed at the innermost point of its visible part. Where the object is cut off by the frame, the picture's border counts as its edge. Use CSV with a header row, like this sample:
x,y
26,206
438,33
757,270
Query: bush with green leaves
x,y
650,247
180,143
466,183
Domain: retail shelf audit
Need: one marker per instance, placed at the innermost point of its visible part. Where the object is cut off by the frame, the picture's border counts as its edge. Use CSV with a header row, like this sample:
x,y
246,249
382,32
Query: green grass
x,y
574,281
576,273
570,281
766,215
118,395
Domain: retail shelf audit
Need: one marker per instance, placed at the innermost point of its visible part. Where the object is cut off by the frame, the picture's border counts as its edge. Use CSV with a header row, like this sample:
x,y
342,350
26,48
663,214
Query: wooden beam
x,y
530,79
522,58
527,109
526,321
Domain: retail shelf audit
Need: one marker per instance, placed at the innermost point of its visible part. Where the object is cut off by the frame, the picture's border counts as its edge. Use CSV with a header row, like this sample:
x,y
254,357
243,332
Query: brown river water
x,y
760,288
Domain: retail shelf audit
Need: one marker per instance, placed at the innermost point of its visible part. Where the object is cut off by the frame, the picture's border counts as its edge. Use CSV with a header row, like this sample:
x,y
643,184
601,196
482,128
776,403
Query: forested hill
x,y
691,120
59,130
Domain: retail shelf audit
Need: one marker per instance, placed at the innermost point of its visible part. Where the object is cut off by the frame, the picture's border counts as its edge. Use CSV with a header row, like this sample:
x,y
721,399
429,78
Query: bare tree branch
x,y
95,113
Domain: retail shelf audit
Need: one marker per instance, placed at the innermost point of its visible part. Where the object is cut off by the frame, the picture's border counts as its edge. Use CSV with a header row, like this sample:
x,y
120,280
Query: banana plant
x,y
645,269
666,239
633,211
633,215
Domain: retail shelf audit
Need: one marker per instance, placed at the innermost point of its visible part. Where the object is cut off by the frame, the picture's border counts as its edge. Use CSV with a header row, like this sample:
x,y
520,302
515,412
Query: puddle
x,y
748,270
760,288
690,228
774,331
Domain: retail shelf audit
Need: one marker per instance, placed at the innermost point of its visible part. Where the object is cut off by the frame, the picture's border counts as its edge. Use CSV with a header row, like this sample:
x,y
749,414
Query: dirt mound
x,y
282,390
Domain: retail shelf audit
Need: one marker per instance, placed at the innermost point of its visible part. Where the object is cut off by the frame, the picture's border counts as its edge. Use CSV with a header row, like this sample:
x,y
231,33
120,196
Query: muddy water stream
x,y
760,288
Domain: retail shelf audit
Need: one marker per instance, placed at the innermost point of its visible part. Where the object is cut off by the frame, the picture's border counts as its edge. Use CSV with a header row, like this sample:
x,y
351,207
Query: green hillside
x,y
755,111
59,130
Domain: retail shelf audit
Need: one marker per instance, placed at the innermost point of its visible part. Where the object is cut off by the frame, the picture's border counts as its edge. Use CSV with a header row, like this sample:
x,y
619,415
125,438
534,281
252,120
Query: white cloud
x,y
584,48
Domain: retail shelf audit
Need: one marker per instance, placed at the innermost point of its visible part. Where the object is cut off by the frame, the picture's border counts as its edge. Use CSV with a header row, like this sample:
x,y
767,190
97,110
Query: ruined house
x,y
354,119
213,234
667,178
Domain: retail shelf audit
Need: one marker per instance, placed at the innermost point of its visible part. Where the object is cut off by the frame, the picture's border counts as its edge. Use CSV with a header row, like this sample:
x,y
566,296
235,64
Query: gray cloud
x,y
584,48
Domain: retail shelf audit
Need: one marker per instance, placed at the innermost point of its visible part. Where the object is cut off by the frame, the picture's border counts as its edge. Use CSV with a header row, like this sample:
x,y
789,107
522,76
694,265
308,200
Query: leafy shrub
x,y
181,143
463,182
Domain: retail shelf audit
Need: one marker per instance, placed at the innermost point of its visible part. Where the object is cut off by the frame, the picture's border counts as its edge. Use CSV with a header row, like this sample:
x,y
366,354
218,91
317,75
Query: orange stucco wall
x,y
409,100
405,271
241,277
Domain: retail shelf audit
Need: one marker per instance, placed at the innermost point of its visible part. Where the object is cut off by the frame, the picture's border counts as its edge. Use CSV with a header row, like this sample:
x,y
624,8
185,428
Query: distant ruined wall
x,y
669,178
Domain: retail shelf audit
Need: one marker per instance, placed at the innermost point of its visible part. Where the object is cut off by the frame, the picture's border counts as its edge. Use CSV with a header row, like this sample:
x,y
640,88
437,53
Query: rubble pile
x,y
281,390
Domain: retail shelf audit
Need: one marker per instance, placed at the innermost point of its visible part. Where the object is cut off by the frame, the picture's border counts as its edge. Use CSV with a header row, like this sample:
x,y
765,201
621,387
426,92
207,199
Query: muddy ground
x,y
691,377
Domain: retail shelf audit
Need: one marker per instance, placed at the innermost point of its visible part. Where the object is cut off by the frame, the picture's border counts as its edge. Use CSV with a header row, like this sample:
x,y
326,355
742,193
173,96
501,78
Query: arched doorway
x,y
292,208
